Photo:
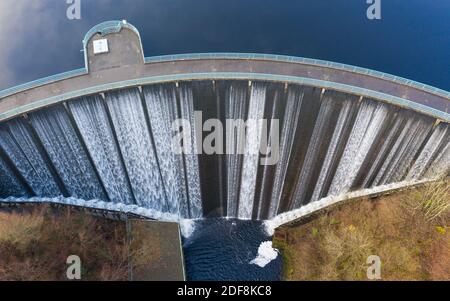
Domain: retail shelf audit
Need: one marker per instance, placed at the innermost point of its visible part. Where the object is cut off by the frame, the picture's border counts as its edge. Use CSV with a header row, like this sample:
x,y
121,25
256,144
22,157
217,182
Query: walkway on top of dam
x,y
124,65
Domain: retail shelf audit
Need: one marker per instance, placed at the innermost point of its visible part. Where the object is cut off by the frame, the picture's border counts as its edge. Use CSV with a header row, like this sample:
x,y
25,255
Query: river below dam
x,y
230,249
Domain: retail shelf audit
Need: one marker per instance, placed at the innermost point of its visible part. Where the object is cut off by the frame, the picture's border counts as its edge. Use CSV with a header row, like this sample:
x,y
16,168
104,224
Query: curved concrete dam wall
x,y
116,147
102,136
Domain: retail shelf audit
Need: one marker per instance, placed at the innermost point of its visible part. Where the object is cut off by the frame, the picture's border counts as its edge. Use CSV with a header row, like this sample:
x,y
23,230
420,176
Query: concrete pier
x,y
155,251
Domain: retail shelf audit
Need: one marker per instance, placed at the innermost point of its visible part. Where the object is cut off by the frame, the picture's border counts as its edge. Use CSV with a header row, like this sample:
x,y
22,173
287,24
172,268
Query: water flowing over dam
x,y
116,147
112,141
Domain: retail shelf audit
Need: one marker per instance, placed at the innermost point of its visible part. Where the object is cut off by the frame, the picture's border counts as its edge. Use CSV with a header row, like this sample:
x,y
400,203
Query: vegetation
x,y
409,231
35,244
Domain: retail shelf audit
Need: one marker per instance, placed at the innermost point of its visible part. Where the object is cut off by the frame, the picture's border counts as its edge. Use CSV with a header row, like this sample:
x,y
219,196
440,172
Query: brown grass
x,y
20,230
408,230
35,245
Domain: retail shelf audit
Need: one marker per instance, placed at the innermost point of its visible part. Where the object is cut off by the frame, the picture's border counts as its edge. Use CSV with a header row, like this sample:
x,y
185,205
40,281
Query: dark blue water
x,y
411,40
221,249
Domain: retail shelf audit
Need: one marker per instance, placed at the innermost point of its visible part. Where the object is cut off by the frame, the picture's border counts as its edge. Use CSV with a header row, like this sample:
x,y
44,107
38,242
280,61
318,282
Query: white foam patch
x,y
98,204
187,227
266,253
269,227
283,218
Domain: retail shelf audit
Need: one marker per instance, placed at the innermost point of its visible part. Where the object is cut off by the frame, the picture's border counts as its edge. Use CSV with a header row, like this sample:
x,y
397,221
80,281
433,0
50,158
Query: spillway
x,y
116,147
106,135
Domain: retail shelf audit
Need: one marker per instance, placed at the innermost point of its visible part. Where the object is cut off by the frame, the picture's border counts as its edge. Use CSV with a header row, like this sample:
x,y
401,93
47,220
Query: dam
x,y
101,136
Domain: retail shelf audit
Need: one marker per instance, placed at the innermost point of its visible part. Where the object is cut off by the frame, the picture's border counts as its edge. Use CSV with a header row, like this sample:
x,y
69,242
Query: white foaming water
x,y
251,156
162,111
267,170
325,112
17,143
9,184
429,152
51,150
266,253
366,128
135,143
393,153
340,128
291,118
412,146
280,219
392,166
92,121
187,227
235,108
191,159
99,204
66,152
380,159
441,166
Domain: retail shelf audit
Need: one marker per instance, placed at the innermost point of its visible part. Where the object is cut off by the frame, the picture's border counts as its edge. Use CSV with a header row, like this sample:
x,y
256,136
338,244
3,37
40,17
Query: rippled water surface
x,y
222,249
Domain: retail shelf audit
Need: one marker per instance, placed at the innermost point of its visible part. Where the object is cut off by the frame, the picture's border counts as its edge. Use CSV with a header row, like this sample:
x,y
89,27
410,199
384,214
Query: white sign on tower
x,y
101,46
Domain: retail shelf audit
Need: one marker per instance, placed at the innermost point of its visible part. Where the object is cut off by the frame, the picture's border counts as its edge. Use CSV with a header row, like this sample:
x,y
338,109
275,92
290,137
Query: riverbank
x,y
36,242
409,231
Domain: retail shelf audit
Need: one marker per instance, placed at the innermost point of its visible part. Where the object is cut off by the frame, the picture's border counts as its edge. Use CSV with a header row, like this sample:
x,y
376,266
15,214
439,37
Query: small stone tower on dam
x,y
101,136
